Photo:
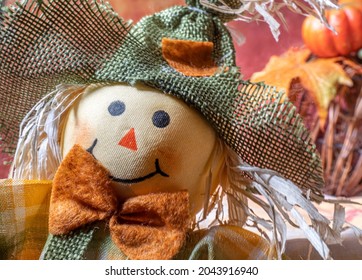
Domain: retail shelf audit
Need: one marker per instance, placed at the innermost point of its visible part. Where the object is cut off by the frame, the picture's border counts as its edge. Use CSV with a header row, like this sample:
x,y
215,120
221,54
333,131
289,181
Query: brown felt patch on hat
x,y
191,58
81,192
152,226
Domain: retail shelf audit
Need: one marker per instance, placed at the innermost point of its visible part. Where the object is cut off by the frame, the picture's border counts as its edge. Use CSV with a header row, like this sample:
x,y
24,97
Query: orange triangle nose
x,y
129,140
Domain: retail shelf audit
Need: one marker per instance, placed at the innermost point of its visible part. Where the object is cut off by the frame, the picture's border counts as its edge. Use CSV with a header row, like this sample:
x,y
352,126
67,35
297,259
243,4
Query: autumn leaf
x,y
320,77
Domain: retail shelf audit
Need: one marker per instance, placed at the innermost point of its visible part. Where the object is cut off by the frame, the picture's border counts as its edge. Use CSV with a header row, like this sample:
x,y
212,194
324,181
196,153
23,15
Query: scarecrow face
x,y
149,142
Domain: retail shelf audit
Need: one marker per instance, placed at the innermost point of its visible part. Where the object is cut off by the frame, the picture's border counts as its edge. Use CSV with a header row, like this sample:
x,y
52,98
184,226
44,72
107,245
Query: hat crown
x,y
190,24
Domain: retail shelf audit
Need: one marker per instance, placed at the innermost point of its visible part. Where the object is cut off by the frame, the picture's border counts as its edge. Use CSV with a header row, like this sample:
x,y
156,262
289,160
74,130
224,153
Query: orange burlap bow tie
x,y
151,226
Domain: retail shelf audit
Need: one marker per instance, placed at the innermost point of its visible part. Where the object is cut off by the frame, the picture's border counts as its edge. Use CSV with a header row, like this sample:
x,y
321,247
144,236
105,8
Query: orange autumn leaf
x,y
321,77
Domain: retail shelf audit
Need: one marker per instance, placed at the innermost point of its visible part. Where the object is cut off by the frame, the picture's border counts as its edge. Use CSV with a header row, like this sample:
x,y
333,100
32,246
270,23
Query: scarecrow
x,y
143,142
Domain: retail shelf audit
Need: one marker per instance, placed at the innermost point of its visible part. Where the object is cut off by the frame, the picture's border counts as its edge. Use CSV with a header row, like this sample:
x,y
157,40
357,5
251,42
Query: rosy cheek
x,y
84,135
170,159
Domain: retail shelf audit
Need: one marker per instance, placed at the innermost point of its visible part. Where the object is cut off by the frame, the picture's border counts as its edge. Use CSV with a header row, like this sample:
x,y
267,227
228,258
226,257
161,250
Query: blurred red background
x,y
251,56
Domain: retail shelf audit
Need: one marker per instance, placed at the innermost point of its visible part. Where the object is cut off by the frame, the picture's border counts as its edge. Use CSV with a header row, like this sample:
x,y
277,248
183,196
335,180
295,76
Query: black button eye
x,y
116,108
161,119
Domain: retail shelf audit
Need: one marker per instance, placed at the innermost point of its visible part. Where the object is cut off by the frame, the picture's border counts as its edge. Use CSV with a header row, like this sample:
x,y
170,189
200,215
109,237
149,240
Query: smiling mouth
x,y
134,180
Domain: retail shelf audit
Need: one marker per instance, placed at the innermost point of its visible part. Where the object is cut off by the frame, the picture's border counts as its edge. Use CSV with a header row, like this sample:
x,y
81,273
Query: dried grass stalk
x,y
270,10
341,149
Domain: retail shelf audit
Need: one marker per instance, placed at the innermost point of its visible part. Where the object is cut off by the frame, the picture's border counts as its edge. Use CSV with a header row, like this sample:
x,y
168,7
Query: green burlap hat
x,y
47,43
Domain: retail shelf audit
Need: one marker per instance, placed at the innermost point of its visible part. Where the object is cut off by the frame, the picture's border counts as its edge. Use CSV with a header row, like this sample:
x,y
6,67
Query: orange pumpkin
x,y
347,22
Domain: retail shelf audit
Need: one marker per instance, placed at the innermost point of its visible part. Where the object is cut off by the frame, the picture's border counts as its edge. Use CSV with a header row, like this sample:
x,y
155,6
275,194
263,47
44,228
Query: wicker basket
x,y
340,140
